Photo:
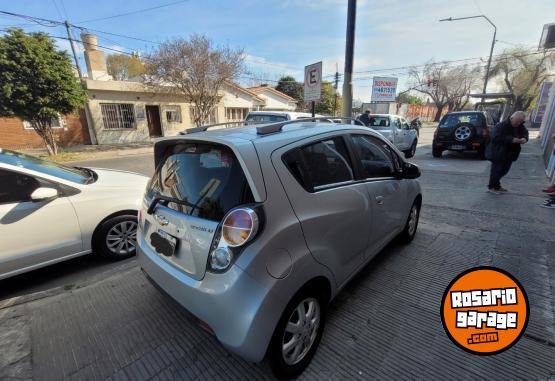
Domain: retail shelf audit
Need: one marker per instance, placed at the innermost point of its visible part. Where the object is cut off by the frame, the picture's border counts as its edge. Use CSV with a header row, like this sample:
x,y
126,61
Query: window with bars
x,y
173,114
236,114
212,118
117,115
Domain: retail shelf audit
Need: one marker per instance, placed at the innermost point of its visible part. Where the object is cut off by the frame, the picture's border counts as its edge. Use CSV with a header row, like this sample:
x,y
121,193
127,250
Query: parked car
x,y
51,212
255,229
397,130
259,117
463,131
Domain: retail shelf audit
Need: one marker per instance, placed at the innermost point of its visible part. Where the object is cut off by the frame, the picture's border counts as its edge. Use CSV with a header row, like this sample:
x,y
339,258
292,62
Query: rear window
x,y
265,118
379,122
205,175
451,120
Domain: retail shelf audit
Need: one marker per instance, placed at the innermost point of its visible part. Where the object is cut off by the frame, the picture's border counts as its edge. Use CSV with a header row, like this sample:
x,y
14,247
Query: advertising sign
x,y
313,82
542,102
384,89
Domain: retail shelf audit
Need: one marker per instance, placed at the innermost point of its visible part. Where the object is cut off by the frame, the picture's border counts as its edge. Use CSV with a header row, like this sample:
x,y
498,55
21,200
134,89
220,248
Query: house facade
x,y
274,99
127,111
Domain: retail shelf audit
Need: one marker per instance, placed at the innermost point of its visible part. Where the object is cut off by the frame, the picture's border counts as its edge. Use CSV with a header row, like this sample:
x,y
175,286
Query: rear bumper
x,y
241,313
473,145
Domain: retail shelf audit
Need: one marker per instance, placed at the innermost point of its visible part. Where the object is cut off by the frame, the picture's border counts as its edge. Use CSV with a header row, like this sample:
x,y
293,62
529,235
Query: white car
x,y
259,117
397,130
51,212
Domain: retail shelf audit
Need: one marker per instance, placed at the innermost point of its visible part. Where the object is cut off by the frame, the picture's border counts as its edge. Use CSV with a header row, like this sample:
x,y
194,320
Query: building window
x,y
55,123
117,115
236,114
212,119
173,114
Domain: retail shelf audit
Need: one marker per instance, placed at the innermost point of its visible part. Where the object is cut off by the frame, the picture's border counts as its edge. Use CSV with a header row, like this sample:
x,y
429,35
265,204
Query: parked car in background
x,y
255,229
397,130
258,117
51,212
463,131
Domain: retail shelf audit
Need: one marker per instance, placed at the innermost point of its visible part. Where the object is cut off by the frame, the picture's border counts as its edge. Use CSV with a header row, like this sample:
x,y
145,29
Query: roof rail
x,y
277,127
206,127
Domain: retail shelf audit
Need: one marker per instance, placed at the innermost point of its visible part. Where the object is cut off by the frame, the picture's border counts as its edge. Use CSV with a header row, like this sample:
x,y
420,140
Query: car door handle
x,y
379,200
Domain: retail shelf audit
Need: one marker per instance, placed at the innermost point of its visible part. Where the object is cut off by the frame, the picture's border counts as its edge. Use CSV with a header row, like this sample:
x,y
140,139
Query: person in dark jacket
x,y
504,148
365,117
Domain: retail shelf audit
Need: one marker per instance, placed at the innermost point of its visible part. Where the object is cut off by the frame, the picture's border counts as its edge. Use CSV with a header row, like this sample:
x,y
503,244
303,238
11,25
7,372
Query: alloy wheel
x,y
413,220
301,331
122,238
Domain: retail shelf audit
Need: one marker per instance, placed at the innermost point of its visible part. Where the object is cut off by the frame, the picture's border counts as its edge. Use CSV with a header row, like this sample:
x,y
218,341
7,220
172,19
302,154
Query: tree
x,y
289,85
37,82
325,105
196,69
405,97
445,85
522,73
123,67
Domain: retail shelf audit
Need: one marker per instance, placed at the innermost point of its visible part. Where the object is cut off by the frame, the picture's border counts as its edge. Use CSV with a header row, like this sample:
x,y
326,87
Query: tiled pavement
x,y
384,325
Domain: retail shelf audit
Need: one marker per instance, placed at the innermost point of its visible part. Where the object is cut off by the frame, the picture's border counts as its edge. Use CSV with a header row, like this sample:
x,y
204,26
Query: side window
x,y
319,164
375,156
16,187
405,125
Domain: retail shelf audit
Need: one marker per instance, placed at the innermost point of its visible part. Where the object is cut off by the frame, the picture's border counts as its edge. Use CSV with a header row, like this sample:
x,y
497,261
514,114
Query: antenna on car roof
x,y
277,127
206,127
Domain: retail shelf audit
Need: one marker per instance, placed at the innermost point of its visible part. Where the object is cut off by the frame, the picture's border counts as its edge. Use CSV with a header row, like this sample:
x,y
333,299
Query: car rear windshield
x,y
379,122
451,120
207,177
265,118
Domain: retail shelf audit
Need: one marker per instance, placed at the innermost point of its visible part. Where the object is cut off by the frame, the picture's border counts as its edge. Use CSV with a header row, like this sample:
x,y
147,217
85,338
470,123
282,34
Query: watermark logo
x,y
485,310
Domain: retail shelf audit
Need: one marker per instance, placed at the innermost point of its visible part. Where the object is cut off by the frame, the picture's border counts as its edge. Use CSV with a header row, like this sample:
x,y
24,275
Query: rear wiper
x,y
159,198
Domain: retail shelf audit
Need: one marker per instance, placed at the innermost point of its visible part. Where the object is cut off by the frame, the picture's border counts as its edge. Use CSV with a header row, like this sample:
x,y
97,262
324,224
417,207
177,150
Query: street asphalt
x,y
103,320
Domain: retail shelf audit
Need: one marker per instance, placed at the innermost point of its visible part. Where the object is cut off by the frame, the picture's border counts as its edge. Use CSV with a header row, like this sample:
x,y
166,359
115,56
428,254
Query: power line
x,y
134,12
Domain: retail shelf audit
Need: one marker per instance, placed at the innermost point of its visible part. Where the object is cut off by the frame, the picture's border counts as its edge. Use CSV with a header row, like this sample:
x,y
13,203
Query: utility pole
x,y
335,86
70,37
90,121
349,55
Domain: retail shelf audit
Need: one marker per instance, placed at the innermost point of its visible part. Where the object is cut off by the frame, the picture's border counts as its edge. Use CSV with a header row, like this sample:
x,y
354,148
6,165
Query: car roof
x,y
465,112
291,132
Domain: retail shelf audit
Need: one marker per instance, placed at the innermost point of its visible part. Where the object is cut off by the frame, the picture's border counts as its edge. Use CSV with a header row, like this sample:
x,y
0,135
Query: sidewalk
x,y
384,325
91,152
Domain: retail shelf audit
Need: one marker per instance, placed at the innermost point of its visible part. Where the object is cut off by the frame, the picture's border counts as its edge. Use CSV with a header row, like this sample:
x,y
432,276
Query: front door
x,y
153,120
33,232
384,190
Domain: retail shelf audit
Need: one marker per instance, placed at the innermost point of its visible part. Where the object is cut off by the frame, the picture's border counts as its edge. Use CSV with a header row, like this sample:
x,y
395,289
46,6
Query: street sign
x,y
384,89
313,82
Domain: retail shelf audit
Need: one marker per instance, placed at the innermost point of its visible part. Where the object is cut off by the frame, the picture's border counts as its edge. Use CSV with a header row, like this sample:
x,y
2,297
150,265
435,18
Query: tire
x,y
408,233
436,151
463,132
287,368
116,237
410,152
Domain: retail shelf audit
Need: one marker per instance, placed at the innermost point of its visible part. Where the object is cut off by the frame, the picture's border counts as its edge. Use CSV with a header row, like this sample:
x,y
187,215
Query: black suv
x,y
463,131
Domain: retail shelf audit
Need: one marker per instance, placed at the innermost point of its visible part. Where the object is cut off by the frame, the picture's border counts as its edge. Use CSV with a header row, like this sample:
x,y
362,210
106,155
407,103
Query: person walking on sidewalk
x,y
365,117
504,148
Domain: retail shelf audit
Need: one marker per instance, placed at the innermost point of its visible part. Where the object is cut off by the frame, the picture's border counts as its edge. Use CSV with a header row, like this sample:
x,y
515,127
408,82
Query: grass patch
x,y
68,287
63,156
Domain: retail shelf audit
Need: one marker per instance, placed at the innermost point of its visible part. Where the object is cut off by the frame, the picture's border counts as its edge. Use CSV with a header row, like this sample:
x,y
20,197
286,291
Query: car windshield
x,y
73,174
265,118
379,122
451,120
207,178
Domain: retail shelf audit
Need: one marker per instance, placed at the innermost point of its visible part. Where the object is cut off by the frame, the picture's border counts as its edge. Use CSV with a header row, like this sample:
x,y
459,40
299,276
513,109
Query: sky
x,y
282,36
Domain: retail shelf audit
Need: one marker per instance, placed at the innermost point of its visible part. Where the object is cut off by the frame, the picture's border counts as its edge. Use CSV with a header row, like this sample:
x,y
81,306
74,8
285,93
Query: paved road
x,y
384,325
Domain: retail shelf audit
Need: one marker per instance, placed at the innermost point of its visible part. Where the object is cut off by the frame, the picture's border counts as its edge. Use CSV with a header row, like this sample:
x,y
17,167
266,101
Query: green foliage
x,y
289,85
410,99
123,67
326,104
37,82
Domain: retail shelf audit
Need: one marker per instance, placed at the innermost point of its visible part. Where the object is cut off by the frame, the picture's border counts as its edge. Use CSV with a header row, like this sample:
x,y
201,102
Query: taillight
x,y
239,226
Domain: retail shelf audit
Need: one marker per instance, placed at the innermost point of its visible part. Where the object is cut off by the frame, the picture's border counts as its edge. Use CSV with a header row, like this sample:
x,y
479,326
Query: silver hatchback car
x,y
255,229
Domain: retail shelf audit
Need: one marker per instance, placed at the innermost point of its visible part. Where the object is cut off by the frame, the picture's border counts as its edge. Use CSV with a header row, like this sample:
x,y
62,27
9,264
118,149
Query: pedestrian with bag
x,y
504,148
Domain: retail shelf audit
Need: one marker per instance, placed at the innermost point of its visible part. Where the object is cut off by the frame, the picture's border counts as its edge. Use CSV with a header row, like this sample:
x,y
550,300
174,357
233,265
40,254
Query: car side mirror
x,y
44,194
410,171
